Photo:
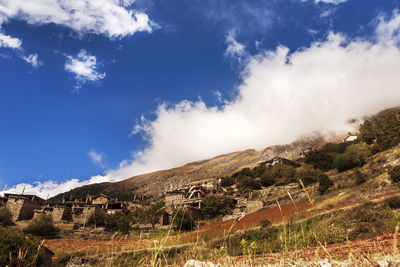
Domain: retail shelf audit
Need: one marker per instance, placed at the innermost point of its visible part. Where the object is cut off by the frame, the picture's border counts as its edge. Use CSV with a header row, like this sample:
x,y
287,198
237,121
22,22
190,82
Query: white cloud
x,y
97,158
234,48
112,18
282,96
389,31
84,67
335,2
33,59
9,42
51,188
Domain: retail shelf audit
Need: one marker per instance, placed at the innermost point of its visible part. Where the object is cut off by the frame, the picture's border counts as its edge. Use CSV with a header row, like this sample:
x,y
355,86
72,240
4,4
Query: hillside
x,y
156,183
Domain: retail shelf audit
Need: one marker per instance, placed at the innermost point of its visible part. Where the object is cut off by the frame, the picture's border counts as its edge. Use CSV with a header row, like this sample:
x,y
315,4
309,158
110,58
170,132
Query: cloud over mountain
x,y
283,95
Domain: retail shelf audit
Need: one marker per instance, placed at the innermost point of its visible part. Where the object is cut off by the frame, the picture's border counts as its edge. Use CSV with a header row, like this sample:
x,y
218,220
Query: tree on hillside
x,y
182,219
320,160
324,183
118,221
308,175
367,132
97,218
152,214
214,205
388,134
356,155
395,174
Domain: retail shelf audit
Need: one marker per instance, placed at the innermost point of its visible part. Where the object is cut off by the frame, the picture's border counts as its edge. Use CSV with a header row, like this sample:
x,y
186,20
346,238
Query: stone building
x,y
190,195
61,213
46,210
80,215
114,207
98,200
22,207
174,199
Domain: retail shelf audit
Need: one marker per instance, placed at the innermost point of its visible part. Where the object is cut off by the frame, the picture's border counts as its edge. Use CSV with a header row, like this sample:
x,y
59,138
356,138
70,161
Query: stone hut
x,y
173,199
99,199
81,215
46,210
114,207
21,206
61,213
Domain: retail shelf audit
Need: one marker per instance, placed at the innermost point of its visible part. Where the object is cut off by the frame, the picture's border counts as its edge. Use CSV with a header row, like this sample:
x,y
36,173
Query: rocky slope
x,y
158,182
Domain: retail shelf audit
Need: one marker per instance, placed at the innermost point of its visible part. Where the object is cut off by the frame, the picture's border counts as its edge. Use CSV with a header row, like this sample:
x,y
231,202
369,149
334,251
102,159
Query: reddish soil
x,y
71,245
217,229
254,219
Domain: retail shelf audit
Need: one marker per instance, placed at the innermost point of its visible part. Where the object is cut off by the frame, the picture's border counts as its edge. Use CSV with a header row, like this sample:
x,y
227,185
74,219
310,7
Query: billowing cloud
x,y
112,18
33,59
9,42
282,96
84,67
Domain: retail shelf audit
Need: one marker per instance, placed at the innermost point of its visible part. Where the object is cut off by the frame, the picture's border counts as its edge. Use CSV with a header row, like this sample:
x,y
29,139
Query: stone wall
x,y
253,206
173,201
61,213
28,209
99,200
14,206
81,215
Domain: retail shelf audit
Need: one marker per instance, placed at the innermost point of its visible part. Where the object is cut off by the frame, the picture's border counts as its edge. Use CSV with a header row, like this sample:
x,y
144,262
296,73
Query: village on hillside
x,y
25,207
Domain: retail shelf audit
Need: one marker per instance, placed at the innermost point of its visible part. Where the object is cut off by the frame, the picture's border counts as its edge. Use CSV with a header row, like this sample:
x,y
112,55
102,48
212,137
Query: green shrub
x,y
152,214
227,181
97,218
118,221
356,155
388,131
16,249
5,217
42,225
394,203
267,179
384,128
367,132
182,220
214,205
283,174
320,160
395,174
308,175
360,177
247,184
265,223
324,183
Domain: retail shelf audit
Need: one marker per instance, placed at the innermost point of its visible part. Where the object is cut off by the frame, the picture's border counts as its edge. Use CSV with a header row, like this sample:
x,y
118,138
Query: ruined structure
x,y
190,195
21,206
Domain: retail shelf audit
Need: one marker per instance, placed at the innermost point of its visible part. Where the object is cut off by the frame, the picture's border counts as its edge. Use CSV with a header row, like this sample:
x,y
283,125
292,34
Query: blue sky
x,y
100,93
